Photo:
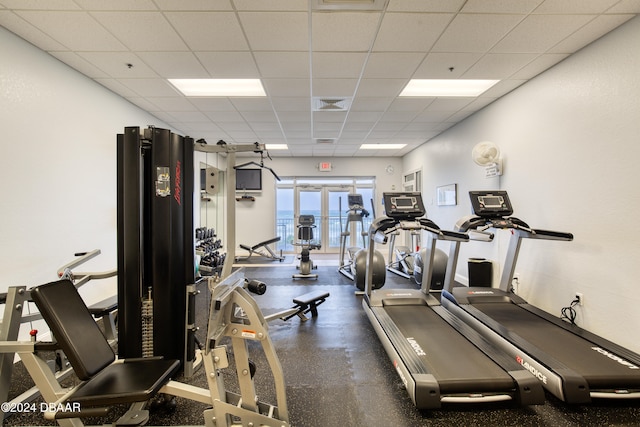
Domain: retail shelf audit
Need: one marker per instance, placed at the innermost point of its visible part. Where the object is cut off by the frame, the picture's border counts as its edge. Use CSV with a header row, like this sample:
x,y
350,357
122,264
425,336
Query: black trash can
x,y
480,272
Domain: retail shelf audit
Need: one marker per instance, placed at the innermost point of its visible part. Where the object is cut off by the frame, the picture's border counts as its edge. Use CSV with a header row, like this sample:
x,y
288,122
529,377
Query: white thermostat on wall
x,y
324,166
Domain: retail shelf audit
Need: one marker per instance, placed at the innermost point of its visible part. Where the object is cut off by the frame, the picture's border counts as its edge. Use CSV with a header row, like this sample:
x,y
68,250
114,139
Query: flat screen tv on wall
x,y
248,179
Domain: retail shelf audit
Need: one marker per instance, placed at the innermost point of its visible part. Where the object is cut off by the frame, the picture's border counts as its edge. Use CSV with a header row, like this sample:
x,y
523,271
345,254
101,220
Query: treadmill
x,y
438,358
573,364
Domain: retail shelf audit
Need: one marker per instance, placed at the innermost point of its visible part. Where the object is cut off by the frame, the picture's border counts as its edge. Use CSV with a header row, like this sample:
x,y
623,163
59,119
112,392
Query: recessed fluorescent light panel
x,y
276,146
219,87
382,146
444,87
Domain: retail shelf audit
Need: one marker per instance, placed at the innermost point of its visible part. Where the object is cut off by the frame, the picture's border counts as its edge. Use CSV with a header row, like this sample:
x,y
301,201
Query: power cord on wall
x,y
569,314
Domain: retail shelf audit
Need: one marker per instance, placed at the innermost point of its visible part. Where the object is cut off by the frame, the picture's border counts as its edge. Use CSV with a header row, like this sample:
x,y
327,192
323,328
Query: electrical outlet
x,y
580,298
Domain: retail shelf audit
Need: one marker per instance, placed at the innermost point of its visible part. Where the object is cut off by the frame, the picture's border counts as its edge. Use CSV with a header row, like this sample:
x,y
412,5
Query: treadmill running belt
x,y
456,363
570,349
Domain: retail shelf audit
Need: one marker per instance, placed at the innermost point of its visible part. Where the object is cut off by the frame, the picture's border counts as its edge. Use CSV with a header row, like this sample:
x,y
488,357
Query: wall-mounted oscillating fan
x,y
487,155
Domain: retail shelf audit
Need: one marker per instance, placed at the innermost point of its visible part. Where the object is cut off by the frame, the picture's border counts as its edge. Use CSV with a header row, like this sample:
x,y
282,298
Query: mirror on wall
x,y
209,217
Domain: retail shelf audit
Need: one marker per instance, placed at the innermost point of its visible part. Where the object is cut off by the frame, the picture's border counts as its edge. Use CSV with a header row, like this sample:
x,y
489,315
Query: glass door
x,y
323,202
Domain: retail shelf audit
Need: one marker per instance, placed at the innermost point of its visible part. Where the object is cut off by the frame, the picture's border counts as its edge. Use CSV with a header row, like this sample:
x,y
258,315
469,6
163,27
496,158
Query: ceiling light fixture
x,y
382,146
276,146
219,87
445,87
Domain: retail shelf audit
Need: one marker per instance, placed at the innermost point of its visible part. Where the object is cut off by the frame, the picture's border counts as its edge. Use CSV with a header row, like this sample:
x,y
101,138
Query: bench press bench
x,y
303,304
262,249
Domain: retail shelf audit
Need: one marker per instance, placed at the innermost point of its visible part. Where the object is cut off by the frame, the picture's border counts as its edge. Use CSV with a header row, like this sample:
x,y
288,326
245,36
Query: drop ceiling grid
x,y
368,55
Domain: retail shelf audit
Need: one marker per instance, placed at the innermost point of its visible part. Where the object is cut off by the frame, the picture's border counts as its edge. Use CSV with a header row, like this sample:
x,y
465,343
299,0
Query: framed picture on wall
x,y
447,195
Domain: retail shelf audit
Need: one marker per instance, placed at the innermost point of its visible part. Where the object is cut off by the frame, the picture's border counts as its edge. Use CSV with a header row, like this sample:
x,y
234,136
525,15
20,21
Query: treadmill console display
x,y
403,205
490,204
355,200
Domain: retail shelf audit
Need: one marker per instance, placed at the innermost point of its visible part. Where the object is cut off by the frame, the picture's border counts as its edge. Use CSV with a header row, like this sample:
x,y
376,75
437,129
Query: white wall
x,y
256,221
570,140
59,167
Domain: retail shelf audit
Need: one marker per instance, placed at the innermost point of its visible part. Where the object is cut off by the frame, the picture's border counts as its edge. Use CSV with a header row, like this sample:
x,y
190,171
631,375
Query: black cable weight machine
x,y
156,245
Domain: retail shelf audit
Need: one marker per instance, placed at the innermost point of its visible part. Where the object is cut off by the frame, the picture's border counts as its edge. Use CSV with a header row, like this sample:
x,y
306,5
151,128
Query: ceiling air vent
x,y
325,140
331,104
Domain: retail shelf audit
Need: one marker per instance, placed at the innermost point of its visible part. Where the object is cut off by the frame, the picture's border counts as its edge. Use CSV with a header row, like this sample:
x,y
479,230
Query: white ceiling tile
x,y
398,64
593,30
381,87
287,87
538,65
499,65
212,104
343,31
40,4
117,87
287,117
539,33
475,32
398,116
149,87
30,33
411,104
229,65
142,31
188,116
114,64
260,117
446,65
283,5
143,103
173,103
117,4
204,5
243,104
224,116
302,104
334,87
86,34
329,116
500,6
625,6
431,6
272,31
338,64
173,65
368,117
209,31
574,6
372,103
410,32
78,63
502,88
283,64
449,104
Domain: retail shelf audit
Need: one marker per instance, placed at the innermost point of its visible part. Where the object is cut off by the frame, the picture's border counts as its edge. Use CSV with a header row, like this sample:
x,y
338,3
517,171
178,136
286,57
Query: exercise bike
x,y
306,224
408,264
355,266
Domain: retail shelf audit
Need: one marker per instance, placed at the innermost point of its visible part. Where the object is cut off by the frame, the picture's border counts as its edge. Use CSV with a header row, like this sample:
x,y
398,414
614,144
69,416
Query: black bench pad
x,y
134,380
103,307
310,297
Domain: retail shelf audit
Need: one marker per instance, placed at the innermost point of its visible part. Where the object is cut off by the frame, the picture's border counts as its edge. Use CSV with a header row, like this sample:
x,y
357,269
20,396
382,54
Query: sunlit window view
x,y
326,200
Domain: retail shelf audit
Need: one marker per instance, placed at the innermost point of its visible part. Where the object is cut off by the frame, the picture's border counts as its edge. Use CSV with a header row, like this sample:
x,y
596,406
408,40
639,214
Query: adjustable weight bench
x,y
303,304
262,249
105,381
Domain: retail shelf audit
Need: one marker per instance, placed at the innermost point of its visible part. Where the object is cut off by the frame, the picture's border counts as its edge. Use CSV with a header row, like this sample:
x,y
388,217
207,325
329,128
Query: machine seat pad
x,y
91,356
310,297
103,307
134,380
